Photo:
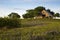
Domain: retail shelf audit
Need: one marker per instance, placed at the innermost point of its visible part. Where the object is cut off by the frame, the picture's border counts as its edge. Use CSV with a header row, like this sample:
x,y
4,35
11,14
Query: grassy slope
x,y
30,27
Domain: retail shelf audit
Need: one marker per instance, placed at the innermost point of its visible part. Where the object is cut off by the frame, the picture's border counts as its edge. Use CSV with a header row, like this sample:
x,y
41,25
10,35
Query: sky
x,y
20,6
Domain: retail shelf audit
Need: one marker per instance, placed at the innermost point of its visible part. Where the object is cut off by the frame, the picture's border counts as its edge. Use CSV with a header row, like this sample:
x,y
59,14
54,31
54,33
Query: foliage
x,y
9,23
33,12
13,23
39,8
28,15
51,12
36,12
14,15
57,15
3,22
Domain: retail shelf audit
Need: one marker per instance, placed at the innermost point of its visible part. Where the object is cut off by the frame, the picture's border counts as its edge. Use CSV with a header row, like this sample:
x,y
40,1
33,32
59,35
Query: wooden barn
x,y
44,14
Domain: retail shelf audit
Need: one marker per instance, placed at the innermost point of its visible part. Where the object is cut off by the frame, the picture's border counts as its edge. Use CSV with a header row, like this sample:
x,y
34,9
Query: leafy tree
x,y
14,15
57,15
27,15
30,13
39,8
51,12
33,12
48,10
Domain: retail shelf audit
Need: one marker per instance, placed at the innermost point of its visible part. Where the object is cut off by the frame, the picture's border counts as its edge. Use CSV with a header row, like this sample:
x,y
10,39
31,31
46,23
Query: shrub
x,y
13,23
2,22
9,23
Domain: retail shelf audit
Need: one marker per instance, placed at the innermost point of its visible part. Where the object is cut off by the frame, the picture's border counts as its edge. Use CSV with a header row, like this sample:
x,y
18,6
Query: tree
x,y
14,15
51,12
33,12
57,15
30,14
39,8
48,10
27,15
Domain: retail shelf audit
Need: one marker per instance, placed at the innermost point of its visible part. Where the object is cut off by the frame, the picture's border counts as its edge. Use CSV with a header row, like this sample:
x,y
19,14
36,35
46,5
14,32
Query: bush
x,y
2,22
9,23
13,23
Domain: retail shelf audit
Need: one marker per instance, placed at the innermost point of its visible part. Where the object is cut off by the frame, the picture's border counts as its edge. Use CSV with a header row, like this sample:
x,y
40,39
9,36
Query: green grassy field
x,y
33,29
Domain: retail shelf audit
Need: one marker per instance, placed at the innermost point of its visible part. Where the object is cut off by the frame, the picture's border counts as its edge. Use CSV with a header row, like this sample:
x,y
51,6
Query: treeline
x,y
31,13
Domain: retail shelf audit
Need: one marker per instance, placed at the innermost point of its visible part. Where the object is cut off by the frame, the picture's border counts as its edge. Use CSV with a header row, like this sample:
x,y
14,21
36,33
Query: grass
x,y
32,29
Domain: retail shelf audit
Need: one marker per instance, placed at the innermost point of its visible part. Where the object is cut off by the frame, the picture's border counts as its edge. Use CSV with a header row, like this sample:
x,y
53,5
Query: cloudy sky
x,y
20,6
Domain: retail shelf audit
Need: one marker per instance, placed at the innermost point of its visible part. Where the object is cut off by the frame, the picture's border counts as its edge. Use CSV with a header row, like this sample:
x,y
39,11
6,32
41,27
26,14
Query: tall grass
x,y
33,29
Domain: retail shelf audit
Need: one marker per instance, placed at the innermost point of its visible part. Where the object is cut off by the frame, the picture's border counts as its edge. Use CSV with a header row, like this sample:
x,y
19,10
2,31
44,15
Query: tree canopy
x,y
14,15
57,15
39,8
51,12
33,12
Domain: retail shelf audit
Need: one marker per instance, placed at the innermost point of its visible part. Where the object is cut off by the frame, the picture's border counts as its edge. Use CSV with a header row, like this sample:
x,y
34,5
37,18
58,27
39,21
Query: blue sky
x,y
20,6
